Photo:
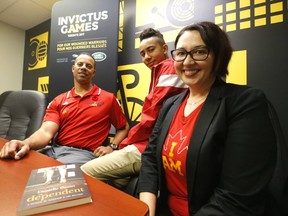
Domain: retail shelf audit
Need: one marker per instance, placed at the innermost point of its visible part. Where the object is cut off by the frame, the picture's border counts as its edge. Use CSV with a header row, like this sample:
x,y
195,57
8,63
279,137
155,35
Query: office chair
x,y
131,188
278,186
21,113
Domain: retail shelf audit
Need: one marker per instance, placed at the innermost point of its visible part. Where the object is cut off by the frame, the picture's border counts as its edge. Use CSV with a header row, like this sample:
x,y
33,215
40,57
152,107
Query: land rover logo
x,y
99,56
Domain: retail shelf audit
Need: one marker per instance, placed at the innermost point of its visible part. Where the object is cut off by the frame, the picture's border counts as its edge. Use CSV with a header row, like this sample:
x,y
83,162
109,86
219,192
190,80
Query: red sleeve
x,y
118,118
165,85
52,111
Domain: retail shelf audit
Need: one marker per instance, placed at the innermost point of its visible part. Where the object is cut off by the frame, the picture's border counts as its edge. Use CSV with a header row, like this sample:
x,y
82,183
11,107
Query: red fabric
x,y
164,84
85,121
174,154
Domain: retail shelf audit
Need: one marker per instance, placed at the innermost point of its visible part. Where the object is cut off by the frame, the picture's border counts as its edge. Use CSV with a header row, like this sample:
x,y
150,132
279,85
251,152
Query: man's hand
x,y
103,150
14,149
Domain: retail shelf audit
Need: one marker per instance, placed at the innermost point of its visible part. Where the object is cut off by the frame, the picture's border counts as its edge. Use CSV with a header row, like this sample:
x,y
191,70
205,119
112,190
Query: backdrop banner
x,y
83,26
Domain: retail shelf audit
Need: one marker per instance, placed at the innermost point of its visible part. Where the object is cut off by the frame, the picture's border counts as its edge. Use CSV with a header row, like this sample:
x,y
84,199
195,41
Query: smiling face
x,y
152,52
195,74
83,69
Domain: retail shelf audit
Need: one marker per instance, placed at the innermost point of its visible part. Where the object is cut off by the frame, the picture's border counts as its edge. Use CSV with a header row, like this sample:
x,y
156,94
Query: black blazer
x,y
230,158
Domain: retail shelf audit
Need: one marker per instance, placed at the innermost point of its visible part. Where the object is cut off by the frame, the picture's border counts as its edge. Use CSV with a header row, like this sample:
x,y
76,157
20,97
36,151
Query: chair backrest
x,y
21,113
278,186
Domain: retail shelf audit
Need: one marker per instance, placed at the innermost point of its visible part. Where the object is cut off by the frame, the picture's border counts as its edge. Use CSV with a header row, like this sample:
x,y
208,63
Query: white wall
x,y
12,43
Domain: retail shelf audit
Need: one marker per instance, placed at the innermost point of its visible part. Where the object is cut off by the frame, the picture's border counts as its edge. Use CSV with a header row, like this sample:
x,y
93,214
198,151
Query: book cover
x,y
54,188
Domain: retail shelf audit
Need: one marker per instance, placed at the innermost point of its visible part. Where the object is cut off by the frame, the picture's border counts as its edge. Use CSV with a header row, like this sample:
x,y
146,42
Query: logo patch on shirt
x,y
95,104
65,111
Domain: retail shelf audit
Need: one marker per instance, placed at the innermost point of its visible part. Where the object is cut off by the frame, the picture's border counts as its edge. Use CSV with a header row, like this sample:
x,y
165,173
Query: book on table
x,y
54,188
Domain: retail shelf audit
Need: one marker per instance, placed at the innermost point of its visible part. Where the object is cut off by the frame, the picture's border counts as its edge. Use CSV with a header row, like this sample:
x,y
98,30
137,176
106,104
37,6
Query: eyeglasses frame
x,y
190,53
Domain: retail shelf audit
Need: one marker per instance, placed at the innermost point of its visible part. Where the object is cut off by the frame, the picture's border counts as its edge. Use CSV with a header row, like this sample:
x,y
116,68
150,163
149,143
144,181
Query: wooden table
x,y
106,199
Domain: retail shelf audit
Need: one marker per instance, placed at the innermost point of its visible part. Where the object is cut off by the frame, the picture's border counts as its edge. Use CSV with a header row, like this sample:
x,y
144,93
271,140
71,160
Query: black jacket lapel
x,y
204,120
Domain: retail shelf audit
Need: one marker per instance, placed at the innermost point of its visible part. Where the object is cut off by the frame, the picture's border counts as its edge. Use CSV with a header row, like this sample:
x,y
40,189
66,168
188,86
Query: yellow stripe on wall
x,y
238,68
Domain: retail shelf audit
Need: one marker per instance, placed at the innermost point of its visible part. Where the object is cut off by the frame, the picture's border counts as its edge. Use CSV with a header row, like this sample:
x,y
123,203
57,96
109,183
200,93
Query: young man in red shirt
x,y
117,168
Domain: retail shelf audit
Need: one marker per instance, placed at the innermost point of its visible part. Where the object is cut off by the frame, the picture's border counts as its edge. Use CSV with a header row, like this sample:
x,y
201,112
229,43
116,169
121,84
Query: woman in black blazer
x,y
213,148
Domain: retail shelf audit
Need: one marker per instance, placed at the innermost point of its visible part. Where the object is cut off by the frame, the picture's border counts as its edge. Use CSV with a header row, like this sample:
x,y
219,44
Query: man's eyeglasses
x,y
197,54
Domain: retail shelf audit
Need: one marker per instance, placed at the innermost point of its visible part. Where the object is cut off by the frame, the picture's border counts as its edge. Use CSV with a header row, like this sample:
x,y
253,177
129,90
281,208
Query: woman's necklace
x,y
195,102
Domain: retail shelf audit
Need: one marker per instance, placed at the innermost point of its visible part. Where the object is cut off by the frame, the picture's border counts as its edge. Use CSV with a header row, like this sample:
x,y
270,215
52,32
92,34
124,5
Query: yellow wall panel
x,y
245,14
231,17
39,54
245,25
276,7
258,1
218,9
260,11
218,19
231,27
277,19
43,84
260,22
244,3
238,68
231,6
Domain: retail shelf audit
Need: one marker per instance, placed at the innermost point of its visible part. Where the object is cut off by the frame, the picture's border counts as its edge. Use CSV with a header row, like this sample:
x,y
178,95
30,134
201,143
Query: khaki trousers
x,y
115,168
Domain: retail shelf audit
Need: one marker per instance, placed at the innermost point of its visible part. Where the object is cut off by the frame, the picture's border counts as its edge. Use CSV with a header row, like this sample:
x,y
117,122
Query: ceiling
x,y
25,14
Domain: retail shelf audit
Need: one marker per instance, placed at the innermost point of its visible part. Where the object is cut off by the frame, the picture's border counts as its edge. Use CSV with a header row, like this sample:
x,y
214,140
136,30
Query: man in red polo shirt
x,y
81,118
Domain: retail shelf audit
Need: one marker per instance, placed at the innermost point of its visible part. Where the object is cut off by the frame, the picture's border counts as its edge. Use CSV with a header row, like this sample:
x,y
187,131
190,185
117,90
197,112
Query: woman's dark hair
x,y
217,41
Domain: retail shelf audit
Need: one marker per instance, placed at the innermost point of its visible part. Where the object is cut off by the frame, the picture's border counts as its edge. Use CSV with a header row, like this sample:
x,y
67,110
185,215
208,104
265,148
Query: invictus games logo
x,y
77,25
38,51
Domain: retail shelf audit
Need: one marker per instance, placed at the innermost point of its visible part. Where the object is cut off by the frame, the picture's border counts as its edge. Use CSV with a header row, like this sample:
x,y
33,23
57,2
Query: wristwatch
x,y
113,146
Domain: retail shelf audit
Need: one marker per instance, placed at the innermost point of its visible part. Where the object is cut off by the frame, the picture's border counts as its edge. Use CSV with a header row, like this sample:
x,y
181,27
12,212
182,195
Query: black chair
x,y
278,186
131,188
21,113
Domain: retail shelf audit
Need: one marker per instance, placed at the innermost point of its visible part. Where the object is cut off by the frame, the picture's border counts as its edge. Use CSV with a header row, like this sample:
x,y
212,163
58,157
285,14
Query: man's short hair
x,y
88,54
150,32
